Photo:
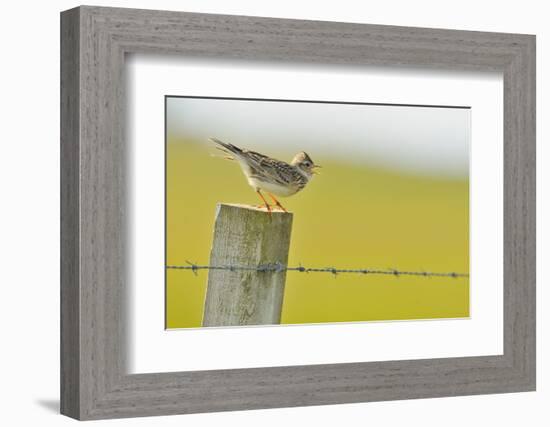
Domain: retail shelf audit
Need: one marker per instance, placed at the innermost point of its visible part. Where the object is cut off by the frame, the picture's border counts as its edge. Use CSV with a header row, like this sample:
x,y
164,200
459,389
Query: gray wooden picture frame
x,y
94,381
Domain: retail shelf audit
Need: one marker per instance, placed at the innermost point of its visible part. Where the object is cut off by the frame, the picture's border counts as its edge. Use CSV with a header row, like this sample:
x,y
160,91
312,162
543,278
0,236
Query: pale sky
x,y
428,140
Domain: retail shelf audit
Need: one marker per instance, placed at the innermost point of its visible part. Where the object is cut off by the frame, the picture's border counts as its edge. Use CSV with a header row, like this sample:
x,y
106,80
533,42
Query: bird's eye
x,y
307,164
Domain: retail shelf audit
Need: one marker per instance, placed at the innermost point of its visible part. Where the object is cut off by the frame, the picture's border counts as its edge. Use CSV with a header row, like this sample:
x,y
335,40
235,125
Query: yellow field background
x,y
350,216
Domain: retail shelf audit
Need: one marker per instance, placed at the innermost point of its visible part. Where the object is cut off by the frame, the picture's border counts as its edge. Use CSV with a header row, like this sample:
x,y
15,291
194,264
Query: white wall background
x,y
29,212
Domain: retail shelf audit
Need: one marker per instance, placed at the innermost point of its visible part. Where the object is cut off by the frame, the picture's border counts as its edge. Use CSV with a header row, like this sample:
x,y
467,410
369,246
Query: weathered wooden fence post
x,y
247,236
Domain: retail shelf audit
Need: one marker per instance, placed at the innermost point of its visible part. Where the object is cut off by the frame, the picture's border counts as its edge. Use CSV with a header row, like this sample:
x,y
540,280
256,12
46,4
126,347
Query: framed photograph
x,y
262,213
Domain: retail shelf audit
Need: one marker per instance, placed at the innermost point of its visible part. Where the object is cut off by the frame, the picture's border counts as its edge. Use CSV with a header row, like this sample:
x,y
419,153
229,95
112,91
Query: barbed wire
x,y
277,267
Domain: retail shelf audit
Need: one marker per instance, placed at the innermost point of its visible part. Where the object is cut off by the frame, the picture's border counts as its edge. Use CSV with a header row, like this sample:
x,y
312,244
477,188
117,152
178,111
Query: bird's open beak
x,y
315,167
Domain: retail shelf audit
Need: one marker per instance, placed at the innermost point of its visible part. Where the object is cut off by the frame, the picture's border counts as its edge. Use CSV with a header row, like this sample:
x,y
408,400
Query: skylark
x,y
273,176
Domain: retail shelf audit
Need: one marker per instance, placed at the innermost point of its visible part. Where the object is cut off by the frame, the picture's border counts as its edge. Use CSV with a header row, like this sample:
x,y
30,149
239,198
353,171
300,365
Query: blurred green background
x,y
353,215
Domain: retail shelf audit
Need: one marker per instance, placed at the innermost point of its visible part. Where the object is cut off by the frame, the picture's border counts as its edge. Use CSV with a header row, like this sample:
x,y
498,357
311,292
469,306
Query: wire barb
x,y
193,267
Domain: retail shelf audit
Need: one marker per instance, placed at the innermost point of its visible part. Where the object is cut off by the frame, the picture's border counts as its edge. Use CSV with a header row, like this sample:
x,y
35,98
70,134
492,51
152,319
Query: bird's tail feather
x,y
224,146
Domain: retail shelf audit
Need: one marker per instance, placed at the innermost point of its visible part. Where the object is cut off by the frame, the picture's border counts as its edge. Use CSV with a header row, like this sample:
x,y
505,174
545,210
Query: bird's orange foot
x,y
266,205
277,203
281,207
267,208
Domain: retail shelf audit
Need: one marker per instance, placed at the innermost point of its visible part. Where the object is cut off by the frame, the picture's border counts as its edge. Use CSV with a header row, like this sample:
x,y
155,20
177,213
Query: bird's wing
x,y
265,168
261,167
